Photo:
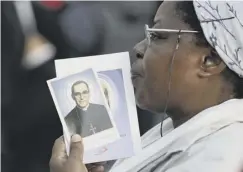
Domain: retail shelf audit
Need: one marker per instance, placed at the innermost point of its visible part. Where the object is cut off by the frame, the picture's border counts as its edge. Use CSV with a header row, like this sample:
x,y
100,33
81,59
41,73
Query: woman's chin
x,y
141,103
142,100
148,105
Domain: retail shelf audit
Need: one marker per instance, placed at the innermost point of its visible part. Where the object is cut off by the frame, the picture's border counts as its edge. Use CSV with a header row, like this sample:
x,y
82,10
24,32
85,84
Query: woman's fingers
x,y
60,162
59,155
75,159
59,149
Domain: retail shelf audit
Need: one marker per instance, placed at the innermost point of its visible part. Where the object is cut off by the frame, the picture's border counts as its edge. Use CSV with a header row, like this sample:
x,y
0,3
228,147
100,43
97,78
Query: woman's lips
x,y
136,72
137,68
135,75
135,78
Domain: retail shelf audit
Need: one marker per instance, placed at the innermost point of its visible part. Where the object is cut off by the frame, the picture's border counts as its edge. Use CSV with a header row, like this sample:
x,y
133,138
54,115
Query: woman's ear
x,y
211,65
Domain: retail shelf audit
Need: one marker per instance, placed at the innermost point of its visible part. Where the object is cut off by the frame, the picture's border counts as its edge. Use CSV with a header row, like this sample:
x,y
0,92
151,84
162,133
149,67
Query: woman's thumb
x,y
77,149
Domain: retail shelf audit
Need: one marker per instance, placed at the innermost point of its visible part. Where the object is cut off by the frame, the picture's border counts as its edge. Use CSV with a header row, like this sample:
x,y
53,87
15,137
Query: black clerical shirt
x,y
87,122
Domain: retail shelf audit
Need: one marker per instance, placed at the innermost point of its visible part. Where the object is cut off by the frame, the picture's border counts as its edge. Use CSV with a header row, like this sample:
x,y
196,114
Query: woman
x,y
194,74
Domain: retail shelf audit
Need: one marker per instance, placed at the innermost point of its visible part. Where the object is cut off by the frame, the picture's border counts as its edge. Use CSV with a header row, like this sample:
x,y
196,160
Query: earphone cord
x,y
169,83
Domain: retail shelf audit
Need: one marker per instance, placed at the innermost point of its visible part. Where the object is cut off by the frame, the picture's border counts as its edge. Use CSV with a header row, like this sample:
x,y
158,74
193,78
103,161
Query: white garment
x,y
211,141
222,25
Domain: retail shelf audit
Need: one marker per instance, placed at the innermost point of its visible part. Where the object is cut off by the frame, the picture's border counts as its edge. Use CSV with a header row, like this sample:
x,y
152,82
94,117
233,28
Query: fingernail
x,y
76,138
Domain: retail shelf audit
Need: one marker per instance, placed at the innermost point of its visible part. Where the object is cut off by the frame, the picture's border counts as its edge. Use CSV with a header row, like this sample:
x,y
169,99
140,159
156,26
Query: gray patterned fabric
x,y
222,24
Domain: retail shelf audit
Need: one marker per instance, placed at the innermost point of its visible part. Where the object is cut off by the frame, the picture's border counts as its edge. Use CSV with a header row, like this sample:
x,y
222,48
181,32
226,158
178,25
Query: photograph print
x,y
86,118
82,107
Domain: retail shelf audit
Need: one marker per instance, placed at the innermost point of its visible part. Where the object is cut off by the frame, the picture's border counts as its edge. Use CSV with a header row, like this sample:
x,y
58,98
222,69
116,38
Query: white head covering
x,y
222,25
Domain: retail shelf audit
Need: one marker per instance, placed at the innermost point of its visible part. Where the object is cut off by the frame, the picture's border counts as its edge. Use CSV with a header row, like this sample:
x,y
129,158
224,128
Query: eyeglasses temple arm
x,y
172,30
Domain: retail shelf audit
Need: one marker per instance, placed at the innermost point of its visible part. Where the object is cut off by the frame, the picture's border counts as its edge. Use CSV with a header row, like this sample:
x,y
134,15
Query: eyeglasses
x,y
149,30
85,92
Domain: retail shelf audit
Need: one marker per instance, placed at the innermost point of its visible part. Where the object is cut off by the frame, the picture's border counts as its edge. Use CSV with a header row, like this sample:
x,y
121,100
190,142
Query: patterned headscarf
x,y
222,25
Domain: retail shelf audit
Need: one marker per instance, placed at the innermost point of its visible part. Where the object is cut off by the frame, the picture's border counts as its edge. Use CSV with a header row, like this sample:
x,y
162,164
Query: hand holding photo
x,y
115,80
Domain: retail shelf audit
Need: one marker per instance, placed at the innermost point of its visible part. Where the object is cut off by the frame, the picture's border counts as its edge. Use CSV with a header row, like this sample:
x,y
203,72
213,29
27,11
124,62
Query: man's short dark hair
x,y
79,82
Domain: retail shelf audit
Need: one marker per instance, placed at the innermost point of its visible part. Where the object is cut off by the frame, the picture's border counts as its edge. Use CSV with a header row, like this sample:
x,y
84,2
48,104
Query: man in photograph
x,y
86,118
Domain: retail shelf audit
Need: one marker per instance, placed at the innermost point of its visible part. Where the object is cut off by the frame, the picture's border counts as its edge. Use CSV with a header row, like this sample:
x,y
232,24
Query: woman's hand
x,y
60,162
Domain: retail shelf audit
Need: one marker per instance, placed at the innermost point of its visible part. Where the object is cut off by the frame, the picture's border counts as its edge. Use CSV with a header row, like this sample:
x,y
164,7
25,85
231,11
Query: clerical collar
x,y
84,109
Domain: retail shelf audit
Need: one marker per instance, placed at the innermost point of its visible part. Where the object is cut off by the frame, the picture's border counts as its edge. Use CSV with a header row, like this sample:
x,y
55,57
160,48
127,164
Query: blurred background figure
x,y
34,34
37,50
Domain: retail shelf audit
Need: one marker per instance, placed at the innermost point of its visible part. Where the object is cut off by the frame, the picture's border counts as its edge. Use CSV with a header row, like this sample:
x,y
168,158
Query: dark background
x,y
30,123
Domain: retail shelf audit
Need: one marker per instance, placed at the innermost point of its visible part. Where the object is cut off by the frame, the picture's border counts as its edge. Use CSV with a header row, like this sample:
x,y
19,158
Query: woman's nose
x,y
140,49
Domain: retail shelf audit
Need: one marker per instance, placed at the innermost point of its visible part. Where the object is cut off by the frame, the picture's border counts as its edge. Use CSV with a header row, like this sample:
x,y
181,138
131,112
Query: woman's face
x,y
150,71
